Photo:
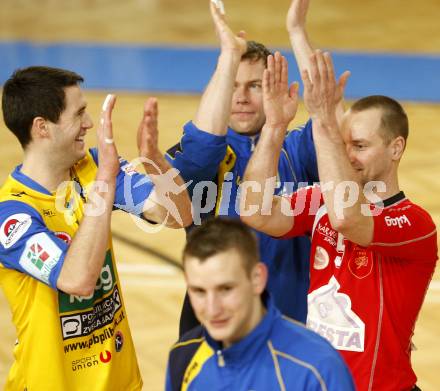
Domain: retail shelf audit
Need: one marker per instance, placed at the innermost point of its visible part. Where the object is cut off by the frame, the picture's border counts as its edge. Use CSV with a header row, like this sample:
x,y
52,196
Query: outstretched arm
x,y
301,46
280,105
296,27
215,106
344,198
86,254
169,202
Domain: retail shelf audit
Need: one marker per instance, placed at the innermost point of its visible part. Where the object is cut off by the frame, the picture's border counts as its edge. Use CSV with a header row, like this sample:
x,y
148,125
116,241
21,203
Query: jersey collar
x,y
29,182
400,196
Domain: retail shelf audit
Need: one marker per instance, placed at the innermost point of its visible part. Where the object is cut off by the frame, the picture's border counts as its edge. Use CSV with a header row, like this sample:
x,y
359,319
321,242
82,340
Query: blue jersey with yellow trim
x,y
64,342
278,354
216,165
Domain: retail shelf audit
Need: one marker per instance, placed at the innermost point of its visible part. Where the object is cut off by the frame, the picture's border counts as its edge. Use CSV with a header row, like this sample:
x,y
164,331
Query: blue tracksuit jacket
x,y
279,354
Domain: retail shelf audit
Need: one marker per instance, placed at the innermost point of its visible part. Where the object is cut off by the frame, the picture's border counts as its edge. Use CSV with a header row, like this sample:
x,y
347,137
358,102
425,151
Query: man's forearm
x,y
261,169
215,106
85,256
301,48
341,185
156,211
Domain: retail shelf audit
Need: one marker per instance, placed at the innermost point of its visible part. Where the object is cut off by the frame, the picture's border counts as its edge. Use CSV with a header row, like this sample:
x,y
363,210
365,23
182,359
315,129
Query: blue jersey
x,y
278,354
201,157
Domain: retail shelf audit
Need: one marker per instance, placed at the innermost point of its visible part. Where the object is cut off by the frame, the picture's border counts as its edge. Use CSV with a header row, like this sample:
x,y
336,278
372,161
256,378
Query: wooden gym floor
x,y
153,290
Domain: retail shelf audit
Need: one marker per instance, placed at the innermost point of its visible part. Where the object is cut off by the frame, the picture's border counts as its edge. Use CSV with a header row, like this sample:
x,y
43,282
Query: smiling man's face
x,y
225,297
247,112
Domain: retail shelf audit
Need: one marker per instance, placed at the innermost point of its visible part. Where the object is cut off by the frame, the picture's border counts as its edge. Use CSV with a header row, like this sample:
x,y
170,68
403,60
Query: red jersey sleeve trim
x,y
405,242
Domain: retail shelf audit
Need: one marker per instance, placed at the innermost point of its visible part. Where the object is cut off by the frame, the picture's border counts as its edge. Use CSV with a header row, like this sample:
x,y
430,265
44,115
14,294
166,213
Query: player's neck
x,y
44,171
391,189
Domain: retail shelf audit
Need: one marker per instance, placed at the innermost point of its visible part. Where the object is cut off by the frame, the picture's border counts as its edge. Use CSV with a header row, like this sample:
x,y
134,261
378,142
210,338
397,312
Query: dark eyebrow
x,y
195,287
359,140
82,109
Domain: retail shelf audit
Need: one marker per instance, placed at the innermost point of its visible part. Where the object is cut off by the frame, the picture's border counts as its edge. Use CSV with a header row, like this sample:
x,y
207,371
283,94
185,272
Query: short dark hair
x,y
394,121
35,92
255,52
218,235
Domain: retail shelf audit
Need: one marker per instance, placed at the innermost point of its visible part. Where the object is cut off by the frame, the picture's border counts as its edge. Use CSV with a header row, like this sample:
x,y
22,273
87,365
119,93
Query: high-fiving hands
x,y
296,16
321,91
228,40
108,166
148,133
279,99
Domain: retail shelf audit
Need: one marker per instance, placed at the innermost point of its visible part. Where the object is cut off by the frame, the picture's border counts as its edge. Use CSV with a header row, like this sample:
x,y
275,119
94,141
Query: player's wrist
x,y
230,56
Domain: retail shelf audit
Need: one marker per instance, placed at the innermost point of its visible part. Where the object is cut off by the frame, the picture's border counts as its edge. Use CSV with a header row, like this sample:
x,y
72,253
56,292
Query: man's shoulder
x,y
15,198
409,214
408,205
193,337
181,355
298,130
294,339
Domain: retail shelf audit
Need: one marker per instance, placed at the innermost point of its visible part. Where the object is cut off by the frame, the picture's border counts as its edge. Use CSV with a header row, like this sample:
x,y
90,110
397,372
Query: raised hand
x,y
280,101
296,16
228,40
108,166
148,134
321,91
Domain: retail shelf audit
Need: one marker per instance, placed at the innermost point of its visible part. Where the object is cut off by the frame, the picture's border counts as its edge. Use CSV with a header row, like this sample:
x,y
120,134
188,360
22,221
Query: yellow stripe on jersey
x,y
204,352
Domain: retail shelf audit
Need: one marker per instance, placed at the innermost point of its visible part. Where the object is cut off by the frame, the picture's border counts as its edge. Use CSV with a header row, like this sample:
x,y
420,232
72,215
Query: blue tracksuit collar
x,y
245,141
246,349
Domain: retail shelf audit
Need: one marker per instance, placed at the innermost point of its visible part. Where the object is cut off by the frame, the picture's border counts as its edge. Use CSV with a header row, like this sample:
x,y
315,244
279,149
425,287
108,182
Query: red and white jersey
x,y
365,300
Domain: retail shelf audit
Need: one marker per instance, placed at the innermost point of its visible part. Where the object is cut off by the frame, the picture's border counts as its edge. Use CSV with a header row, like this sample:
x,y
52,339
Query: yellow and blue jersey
x,y
64,342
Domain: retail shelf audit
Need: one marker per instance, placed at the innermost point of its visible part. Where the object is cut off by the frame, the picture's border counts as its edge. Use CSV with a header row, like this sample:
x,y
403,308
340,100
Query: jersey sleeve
x,y
198,155
301,151
27,245
132,187
304,205
407,232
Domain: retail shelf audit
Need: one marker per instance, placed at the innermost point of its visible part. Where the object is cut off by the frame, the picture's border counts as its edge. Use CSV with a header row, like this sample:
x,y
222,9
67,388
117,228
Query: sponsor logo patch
x,y
40,256
119,341
105,356
64,236
49,213
84,363
95,338
84,323
397,221
331,316
330,235
360,264
72,326
14,228
321,258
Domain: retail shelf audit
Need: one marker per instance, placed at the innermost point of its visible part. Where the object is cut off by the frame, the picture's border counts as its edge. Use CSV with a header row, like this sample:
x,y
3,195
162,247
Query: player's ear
x,y
40,128
397,147
259,276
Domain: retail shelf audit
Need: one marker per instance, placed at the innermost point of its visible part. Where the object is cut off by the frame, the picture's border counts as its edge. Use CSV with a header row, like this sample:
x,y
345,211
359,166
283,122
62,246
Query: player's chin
x,y
219,333
245,128
80,153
